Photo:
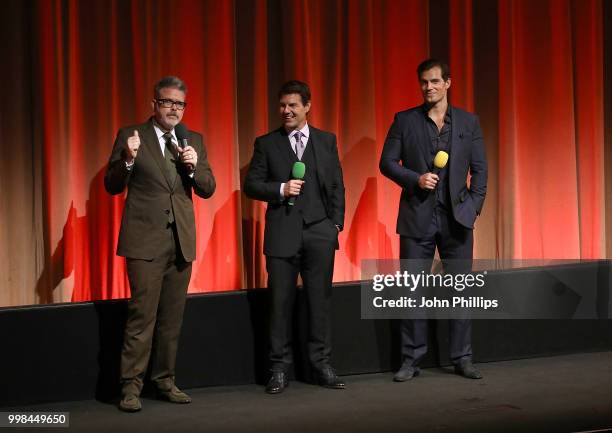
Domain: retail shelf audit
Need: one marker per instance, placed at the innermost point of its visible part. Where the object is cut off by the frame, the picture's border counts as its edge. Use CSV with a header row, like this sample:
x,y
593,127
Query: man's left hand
x,y
189,157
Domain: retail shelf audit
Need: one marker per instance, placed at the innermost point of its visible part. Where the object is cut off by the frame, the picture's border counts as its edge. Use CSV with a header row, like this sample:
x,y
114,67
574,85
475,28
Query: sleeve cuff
x,y
282,196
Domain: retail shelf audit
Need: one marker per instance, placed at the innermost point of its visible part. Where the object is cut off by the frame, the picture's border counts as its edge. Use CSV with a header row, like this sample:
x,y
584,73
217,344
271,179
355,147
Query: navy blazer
x,y
271,165
406,156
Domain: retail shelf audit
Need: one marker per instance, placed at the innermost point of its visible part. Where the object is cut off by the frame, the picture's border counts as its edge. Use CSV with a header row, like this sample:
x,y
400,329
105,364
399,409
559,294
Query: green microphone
x,y
297,172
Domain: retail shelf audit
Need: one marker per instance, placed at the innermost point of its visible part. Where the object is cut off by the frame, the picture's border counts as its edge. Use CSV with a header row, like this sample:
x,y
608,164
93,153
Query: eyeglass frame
x,y
180,105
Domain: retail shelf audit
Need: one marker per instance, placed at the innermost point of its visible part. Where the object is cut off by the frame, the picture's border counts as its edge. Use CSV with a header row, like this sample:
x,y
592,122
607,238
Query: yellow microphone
x,y
440,161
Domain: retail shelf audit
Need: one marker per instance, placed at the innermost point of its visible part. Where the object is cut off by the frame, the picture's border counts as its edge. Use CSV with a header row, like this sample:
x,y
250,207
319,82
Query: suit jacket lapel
x,y
318,154
456,137
152,144
284,146
423,140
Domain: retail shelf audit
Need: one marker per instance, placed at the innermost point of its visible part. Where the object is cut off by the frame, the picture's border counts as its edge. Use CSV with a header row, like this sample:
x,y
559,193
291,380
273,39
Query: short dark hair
x,y
171,82
428,64
295,86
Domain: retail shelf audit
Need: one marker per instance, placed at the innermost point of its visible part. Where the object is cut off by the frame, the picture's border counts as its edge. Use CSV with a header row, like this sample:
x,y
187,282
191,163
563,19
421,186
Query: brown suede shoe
x,y
174,395
130,403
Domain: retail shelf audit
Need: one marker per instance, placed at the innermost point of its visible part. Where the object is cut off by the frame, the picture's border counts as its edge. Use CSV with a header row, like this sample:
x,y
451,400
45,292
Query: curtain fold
x,y
532,71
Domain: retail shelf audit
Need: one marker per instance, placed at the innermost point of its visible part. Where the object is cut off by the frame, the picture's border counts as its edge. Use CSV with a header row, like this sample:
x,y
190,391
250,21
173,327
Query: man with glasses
x,y
157,236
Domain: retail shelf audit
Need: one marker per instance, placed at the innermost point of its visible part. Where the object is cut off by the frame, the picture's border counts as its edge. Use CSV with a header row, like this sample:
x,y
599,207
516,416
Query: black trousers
x,y
155,316
315,262
455,246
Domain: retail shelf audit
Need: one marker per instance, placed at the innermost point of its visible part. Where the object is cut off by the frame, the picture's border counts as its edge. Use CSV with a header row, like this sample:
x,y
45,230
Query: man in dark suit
x,y
436,209
157,237
303,219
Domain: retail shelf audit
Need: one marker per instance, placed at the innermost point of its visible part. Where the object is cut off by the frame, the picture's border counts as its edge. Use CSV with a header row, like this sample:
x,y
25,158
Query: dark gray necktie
x,y
170,157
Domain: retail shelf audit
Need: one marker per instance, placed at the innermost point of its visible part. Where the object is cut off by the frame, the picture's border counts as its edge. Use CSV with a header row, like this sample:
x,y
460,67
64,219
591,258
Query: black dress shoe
x,y
328,378
406,372
466,369
277,383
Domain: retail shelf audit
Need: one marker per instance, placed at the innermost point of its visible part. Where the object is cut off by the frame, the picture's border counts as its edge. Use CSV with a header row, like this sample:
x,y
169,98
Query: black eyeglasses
x,y
168,103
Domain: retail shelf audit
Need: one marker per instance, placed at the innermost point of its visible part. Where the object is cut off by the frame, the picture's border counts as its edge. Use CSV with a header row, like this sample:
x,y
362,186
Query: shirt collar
x,y
160,132
305,131
447,115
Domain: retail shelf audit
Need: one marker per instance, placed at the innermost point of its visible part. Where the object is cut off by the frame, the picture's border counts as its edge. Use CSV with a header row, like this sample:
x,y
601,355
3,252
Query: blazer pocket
x,y
465,135
333,225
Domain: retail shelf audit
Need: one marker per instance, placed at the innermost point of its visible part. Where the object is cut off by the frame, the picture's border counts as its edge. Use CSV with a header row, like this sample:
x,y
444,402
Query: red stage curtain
x,y
98,63
82,69
550,153
588,72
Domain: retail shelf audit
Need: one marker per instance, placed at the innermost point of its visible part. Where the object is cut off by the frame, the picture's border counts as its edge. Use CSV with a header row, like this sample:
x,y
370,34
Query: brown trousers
x,y
155,317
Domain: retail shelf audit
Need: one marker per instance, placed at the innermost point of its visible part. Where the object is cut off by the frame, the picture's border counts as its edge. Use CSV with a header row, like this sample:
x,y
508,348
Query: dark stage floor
x,y
559,394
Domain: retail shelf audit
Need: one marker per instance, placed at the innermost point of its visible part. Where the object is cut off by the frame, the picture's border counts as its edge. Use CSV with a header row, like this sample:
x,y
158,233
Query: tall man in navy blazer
x,y
301,237
436,210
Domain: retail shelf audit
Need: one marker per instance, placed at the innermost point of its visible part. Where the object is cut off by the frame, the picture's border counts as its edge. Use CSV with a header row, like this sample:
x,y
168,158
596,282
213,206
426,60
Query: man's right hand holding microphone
x,y
428,181
293,187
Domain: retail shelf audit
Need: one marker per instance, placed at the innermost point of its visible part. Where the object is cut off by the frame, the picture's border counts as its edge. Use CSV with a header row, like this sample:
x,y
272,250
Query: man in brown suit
x,y
157,236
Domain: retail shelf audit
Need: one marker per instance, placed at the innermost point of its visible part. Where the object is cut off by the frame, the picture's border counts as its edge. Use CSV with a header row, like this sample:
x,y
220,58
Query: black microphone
x,y
182,135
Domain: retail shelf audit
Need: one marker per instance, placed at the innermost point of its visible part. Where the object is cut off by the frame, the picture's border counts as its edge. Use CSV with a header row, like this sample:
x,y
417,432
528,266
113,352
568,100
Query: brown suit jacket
x,y
151,196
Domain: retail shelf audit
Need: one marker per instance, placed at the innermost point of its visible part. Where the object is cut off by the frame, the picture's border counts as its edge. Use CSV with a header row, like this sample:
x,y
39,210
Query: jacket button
x,y
167,211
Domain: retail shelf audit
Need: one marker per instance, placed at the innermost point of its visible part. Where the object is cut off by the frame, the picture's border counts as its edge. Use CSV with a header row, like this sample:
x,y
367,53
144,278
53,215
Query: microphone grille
x,y
441,159
181,132
299,170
